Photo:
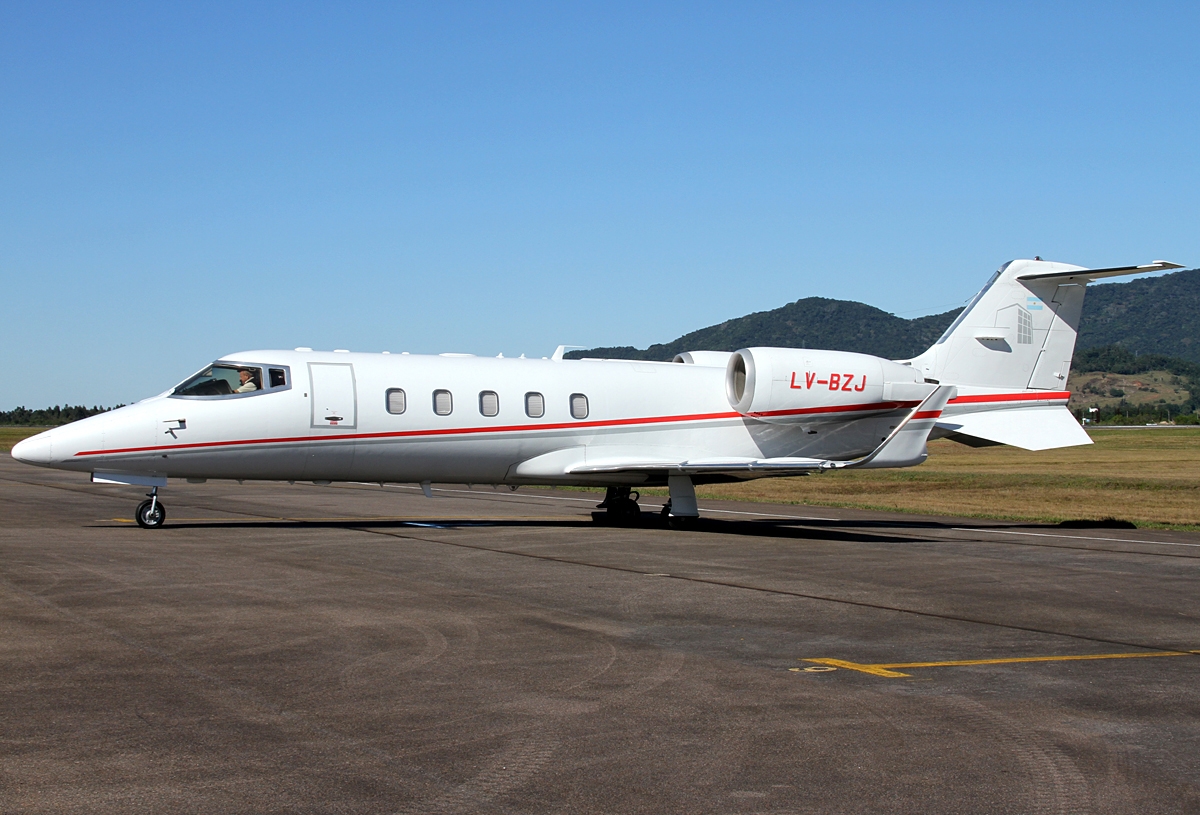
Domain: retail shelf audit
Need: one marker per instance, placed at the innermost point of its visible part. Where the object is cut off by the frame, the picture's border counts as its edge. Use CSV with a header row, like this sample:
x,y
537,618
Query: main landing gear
x,y
680,511
620,505
151,514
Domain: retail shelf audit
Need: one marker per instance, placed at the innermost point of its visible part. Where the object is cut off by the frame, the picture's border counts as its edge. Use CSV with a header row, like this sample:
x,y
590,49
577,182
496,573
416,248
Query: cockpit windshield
x,y
223,380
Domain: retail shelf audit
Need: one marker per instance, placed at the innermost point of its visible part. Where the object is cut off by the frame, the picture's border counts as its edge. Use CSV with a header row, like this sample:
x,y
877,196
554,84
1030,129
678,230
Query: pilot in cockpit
x,y
248,383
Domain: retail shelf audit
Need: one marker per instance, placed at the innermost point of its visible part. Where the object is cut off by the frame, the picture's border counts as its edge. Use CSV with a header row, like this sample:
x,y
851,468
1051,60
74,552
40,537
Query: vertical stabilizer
x,y
1018,332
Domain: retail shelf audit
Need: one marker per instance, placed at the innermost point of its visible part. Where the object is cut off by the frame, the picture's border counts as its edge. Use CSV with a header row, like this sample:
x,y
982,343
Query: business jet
x,y
996,376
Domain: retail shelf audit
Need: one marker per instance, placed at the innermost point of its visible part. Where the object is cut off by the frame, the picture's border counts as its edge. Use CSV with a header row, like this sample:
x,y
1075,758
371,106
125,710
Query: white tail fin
x,y
1018,332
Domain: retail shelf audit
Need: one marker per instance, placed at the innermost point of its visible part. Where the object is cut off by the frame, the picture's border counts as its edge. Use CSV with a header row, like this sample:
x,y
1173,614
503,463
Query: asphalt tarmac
x,y
357,648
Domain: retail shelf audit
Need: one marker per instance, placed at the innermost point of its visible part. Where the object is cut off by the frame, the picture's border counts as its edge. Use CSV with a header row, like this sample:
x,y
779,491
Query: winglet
x,y
905,446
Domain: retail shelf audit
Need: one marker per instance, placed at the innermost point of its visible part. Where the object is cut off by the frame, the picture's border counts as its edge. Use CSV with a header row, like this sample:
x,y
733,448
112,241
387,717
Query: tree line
x,y
1109,358
51,416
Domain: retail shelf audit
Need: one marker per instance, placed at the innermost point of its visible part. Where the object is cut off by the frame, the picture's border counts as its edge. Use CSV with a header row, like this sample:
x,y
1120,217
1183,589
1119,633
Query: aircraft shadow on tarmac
x,y
841,531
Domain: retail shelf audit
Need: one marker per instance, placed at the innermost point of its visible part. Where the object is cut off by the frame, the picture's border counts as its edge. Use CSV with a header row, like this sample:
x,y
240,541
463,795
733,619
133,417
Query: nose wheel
x,y
151,514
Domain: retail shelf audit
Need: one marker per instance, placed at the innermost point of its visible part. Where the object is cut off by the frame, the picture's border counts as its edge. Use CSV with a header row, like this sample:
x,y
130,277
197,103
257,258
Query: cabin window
x,y
397,403
443,402
223,380
535,405
489,403
278,377
579,406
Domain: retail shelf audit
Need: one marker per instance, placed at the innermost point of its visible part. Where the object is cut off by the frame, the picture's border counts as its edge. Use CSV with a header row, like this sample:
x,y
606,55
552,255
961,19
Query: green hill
x,y
1155,315
814,322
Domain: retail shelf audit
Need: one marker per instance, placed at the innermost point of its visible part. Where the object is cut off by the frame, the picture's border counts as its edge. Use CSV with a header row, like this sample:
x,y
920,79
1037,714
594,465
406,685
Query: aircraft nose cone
x,y
34,450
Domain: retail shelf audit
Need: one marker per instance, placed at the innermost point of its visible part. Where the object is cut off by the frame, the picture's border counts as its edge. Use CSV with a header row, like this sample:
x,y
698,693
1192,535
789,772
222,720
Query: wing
x,y
904,447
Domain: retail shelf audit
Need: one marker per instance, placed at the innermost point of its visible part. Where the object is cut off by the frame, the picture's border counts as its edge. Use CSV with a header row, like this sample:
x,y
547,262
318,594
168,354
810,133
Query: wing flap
x,y
706,466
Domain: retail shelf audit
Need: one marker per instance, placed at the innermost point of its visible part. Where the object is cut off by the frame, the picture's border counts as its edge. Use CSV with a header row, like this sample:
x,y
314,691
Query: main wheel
x,y
150,514
682,521
626,512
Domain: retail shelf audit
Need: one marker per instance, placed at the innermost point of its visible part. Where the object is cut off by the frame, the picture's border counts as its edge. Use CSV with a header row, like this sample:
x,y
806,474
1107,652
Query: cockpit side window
x,y
223,380
278,377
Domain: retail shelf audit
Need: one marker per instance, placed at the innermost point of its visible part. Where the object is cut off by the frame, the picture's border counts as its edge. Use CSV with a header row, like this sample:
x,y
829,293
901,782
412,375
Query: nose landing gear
x,y
151,514
621,505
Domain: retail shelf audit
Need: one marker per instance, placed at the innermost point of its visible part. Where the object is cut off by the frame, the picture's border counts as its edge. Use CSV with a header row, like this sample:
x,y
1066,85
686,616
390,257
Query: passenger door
x,y
334,398
334,406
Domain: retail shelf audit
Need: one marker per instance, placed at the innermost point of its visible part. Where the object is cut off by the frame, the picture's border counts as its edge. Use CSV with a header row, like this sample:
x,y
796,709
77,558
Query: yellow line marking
x,y
888,669
877,670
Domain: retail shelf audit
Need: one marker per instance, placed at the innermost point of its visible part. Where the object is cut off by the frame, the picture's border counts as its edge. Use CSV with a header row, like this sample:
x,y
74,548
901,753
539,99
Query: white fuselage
x,y
996,376
331,423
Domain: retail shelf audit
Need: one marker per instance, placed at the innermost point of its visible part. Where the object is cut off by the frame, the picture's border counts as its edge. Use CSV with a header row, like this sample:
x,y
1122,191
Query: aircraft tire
x,y
147,519
682,521
619,513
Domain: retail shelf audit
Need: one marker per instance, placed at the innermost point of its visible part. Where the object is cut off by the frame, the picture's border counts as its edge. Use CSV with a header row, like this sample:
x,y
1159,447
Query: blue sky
x,y
182,181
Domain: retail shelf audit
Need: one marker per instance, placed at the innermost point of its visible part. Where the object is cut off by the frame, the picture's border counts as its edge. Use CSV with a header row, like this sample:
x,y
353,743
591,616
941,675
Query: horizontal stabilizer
x,y
1030,428
1018,333
1096,274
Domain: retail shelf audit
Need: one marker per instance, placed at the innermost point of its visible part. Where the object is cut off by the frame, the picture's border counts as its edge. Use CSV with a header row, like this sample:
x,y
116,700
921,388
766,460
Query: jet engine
x,y
708,359
785,385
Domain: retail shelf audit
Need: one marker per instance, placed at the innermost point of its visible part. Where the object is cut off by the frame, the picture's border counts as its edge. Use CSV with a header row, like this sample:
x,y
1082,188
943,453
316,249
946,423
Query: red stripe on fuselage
x,y
1044,396
695,417
448,431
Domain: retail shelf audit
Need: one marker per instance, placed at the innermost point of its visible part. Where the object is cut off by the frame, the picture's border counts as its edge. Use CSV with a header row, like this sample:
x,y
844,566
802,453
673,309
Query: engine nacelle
x,y
793,385
707,359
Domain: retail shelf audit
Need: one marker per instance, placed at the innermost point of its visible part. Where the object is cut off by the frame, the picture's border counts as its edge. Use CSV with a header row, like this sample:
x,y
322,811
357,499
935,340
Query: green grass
x,y
1148,476
11,435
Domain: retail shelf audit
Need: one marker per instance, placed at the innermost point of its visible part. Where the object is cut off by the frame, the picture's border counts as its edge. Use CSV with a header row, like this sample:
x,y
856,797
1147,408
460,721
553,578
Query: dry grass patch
x,y
9,436
1150,477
